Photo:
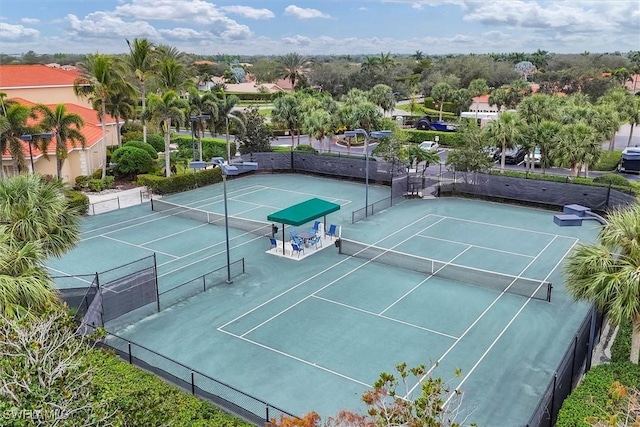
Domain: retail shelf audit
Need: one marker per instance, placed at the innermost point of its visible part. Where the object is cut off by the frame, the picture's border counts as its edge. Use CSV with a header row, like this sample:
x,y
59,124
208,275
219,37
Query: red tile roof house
x,y
32,84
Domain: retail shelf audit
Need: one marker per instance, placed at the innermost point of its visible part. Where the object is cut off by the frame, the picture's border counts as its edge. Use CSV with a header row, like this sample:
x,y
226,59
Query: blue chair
x,y
297,248
293,234
315,227
315,241
331,231
274,244
298,241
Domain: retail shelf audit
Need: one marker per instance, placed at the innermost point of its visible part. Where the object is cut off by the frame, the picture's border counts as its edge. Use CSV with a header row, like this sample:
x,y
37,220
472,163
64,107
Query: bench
x,y
564,220
578,210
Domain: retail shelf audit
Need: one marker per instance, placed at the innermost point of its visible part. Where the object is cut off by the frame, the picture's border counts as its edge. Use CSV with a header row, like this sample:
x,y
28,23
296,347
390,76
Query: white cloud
x,y
297,40
10,32
104,25
30,20
198,11
304,13
249,12
185,34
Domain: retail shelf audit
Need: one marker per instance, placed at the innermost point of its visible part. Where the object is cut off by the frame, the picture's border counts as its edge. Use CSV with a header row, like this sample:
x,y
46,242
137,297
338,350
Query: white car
x,y
535,157
429,145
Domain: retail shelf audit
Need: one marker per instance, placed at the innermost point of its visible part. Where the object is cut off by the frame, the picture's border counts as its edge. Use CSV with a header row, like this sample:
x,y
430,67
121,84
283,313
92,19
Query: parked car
x,y
515,155
534,157
429,145
630,160
424,123
492,152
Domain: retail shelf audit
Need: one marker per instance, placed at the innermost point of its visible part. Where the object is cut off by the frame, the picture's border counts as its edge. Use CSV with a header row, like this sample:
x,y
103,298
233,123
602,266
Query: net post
x,y
118,202
549,287
242,265
204,283
193,384
151,199
130,356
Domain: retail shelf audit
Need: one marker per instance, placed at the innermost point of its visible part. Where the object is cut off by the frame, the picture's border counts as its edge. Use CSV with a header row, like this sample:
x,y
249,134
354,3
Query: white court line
x,y
477,320
308,194
507,327
315,275
331,283
432,274
139,247
384,317
306,362
475,246
71,275
220,198
508,227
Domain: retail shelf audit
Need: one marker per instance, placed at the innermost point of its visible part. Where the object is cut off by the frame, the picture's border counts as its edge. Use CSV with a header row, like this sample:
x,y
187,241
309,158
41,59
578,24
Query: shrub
x,y
82,182
178,183
613,179
143,146
130,126
621,348
157,142
306,149
132,136
109,181
132,160
211,147
78,201
97,174
96,185
609,160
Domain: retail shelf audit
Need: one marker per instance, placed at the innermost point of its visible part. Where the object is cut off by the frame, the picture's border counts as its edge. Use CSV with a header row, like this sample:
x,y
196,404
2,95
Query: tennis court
x,y
313,335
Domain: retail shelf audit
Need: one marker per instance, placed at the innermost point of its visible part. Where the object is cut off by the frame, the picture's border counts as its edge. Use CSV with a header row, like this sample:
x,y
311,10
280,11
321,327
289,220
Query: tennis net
x,y
500,282
256,227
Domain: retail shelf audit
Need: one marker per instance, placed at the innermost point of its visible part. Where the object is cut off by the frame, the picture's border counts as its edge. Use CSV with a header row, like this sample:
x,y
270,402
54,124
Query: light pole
x,y
195,119
28,139
226,169
376,134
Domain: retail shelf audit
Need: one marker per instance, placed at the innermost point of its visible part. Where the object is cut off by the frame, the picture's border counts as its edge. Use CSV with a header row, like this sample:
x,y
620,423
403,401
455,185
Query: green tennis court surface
x,y
313,335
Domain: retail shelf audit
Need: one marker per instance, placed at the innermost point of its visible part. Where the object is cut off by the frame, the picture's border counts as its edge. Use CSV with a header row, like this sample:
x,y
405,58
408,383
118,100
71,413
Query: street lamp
x,y
227,170
375,134
29,138
194,119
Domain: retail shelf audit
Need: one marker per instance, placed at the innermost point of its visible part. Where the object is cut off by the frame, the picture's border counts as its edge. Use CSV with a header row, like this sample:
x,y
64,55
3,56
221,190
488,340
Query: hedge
x,y
213,146
178,183
451,139
621,348
79,201
591,397
609,160
140,398
613,179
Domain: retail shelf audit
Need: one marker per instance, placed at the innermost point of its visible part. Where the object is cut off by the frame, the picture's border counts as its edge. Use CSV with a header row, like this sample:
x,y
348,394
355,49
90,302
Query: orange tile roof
x,y
13,76
91,130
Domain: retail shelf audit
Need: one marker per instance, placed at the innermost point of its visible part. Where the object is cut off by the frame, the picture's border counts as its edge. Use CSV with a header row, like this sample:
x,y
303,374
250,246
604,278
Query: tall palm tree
x,y
504,132
544,136
166,109
292,65
440,93
142,61
318,123
477,88
286,113
227,115
172,75
606,273
120,105
199,105
15,125
66,129
100,75
499,98
382,96
576,146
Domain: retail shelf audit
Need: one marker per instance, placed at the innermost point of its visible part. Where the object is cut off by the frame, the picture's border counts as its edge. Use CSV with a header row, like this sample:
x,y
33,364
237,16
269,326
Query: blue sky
x,y
274,27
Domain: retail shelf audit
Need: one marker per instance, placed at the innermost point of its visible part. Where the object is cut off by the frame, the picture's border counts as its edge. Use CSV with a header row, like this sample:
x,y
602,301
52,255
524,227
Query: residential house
x,y
33,84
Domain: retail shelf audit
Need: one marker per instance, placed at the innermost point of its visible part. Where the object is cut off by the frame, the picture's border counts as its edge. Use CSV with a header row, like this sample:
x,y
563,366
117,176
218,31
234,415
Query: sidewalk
x,y
116,199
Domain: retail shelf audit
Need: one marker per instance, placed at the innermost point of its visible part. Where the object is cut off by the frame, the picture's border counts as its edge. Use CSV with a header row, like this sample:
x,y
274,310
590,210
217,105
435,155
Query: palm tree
x,y
66,129
226,114
172,75
15,125
100,76
606,273
418,55
419,155
318,124
292,65
504,132
634,116
477,88
386,61
200,105
440,93
370,64
576,146
544,136
382,96
142,61
499,98
286,113
166,109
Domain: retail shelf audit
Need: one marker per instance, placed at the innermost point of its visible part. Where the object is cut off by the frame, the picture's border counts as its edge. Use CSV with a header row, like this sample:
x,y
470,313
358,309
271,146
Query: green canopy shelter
x,y
302,213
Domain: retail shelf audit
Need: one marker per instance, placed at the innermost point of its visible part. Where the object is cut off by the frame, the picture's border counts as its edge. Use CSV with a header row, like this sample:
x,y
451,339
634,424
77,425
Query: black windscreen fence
x,y
575,363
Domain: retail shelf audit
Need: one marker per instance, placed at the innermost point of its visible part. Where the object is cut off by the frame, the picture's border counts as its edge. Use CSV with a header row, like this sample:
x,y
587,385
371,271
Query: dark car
x,y
513,156
425,123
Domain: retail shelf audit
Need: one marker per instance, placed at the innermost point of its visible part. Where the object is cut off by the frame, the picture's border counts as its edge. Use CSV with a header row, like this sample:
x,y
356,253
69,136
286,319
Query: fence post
x,y
573,361
267,412
130,356
592,338
155,275
118,202
204,284
553,399
140,196
608,194
193,384
93,209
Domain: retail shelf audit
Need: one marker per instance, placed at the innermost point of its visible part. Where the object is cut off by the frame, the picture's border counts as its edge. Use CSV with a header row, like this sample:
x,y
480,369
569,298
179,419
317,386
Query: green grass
x,y
608,161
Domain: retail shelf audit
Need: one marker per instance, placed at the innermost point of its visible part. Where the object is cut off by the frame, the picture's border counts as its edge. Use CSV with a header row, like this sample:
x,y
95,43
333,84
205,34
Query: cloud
x,y
185,34
297,40
30,20
249,12
16,32
304,13
105,25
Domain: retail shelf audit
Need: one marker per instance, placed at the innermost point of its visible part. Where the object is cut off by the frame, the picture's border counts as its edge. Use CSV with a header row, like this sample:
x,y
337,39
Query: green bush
x,y
306,149
130,126
82,182
97,174
621,348
140,398
609,160
591,397
132,136
143,146
96,185
451,139
211,147
613,179
448,107
109,181
178,183
132,160
157,142
78,201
